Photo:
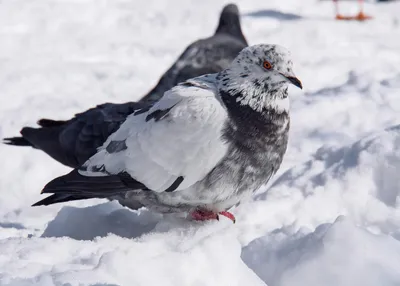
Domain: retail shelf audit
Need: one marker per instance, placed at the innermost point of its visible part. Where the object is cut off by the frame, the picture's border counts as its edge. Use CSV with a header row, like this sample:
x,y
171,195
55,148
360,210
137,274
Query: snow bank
x,y
334,254
360,181
176,252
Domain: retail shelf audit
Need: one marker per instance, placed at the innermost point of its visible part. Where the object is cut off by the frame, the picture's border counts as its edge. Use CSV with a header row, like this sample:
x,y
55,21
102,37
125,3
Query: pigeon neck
x,y
229,23
253,124
260,96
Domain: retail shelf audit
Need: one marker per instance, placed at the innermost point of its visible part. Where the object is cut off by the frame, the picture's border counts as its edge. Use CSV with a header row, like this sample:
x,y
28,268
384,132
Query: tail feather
x,y
74,183
57,198
29,133
74,186
44,122
41,138
48,140
17,141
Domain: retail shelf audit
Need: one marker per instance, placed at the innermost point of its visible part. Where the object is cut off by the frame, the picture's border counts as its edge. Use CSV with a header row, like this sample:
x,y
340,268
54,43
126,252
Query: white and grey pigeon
x,y
206,145
72,142
205,56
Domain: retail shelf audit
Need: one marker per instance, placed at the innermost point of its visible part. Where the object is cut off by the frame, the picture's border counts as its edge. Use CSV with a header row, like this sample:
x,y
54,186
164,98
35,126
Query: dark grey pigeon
x,y
205,56
73,141
205,146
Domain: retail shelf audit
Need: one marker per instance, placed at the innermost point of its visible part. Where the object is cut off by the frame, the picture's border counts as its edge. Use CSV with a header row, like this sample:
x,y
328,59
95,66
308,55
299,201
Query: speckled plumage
x,y
208,143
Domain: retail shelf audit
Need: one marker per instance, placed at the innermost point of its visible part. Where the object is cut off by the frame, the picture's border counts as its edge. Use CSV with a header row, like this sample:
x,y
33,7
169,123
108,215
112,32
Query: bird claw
x,y
228,215
201,215
360,17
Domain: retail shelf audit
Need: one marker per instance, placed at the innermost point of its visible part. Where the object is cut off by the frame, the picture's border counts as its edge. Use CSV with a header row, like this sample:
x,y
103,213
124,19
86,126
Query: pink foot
x,y
228,215
201,215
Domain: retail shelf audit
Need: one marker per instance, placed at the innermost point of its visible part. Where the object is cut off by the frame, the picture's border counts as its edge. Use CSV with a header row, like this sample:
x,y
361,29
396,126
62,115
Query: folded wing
x,y
175,143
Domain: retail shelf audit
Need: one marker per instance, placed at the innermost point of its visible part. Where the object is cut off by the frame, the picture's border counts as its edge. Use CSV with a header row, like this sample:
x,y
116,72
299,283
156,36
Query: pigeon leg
x,y
200,214
338,15
361,16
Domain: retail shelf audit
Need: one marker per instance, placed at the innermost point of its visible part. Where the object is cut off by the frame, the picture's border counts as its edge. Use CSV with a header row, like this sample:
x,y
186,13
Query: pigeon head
x,y
229,23
259,76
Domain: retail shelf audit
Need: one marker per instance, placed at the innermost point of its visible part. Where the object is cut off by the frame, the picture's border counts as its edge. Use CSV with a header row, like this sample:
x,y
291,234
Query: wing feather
x,y
183,145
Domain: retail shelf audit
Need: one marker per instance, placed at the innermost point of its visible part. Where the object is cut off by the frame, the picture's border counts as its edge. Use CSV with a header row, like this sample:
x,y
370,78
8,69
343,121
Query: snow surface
x,y
332,214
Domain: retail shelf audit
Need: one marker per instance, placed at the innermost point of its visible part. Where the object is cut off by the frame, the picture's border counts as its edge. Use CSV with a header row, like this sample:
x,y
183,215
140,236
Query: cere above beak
x,y
295,81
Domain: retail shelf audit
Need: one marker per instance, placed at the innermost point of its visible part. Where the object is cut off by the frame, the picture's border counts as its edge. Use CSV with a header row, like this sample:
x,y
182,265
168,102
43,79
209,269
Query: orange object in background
x,y
359,17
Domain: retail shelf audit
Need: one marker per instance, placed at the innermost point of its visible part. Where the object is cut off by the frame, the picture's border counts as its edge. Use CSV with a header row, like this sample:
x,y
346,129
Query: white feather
x,y
186,142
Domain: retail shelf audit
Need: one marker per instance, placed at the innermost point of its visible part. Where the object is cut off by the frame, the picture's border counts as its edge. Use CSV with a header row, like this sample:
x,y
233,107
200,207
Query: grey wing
x,y
177,141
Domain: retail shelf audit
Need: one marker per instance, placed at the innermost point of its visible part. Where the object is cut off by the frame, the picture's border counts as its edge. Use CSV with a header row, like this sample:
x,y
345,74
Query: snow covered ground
x,y
332,214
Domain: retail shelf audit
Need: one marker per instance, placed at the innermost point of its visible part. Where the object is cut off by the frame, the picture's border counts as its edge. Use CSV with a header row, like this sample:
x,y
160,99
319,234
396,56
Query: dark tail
x,y
38,137
229,23
56,198
17,141
74,186
30,134
50,123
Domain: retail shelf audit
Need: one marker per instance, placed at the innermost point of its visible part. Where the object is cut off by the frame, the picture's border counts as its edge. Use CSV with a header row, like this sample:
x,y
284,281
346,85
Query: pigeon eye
x,y
267,65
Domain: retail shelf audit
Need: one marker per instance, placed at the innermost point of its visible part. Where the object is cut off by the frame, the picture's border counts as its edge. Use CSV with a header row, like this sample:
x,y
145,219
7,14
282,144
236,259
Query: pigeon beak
x,y
295,81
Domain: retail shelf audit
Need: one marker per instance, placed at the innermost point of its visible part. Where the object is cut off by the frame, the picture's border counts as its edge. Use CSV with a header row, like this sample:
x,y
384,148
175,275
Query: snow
x,y
330,217
334,254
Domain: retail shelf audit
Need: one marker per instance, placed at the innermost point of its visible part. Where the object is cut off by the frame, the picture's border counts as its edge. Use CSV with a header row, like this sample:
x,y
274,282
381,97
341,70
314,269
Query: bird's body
x,y
73,142
207,144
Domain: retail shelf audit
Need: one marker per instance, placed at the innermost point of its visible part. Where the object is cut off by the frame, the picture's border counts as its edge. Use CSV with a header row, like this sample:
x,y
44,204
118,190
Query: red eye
x,y
267,65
